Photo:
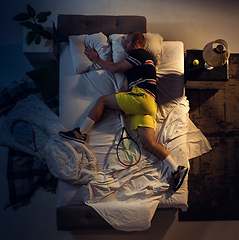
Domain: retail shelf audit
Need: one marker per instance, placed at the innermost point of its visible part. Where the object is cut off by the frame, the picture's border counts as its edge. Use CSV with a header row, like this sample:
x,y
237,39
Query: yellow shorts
x,y
140,105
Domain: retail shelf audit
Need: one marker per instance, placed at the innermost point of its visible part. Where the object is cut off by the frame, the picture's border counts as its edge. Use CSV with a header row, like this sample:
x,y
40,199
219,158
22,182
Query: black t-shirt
x,y
143,74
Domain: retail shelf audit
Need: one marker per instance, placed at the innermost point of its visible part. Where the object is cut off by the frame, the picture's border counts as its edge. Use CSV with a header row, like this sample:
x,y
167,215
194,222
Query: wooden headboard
x,y
68,25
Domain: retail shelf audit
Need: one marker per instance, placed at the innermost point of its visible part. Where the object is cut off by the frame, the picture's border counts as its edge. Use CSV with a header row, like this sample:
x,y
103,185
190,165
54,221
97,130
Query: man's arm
x,y
110,66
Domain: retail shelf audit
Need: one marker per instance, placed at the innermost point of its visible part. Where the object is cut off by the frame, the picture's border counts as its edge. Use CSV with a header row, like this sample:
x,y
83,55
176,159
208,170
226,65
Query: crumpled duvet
x,y
126,197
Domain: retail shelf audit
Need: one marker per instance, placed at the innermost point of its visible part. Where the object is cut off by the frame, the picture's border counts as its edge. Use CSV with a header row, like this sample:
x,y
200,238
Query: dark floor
x,y
213,177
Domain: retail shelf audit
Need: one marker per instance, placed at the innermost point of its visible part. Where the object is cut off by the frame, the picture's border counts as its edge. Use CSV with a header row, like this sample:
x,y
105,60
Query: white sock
x,y
86,126
170,163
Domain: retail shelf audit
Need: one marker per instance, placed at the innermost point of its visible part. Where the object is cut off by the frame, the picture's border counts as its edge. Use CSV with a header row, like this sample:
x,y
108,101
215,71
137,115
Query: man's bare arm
x,y
110,66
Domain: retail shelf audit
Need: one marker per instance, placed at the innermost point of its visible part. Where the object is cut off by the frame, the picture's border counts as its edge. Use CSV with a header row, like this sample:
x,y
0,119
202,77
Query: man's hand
x,y
91,54
109,66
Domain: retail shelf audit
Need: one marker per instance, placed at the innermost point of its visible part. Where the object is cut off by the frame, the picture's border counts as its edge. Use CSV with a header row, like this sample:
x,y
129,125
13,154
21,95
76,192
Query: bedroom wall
x,y
194,22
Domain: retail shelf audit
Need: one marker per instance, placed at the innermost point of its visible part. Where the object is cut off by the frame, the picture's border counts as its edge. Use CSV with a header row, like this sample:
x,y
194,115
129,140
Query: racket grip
x,y
122,121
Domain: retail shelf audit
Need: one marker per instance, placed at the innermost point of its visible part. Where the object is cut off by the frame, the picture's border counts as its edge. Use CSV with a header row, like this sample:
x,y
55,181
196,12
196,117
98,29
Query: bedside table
x,y
200,78
39,54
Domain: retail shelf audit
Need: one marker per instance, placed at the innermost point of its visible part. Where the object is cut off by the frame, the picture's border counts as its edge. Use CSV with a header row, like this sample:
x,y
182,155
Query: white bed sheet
x,y
75,104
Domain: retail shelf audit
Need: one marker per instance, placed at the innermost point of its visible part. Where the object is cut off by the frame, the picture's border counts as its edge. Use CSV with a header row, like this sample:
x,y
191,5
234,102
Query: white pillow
x,y
81,62
153,44
118,52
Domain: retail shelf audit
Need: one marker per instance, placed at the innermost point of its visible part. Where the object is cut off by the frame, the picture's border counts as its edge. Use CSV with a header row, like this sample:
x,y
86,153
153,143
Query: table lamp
x,y
215,54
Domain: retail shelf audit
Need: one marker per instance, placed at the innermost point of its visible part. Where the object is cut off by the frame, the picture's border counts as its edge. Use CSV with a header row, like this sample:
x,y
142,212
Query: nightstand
x,y
40,54
200,78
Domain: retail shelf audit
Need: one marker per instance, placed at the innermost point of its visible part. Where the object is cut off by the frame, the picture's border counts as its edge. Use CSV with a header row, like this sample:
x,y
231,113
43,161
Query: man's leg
x,y
108,101
79,134
146,136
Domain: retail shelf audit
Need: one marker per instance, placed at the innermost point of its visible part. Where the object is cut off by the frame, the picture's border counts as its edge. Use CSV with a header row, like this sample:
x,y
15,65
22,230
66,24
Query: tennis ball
x,y
195,62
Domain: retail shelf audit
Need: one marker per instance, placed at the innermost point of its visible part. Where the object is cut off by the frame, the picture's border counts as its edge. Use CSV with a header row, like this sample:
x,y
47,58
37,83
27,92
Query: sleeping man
x,y
136,97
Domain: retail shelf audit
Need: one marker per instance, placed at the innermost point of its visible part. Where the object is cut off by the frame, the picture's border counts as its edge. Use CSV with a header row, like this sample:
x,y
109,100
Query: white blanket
x,y
126,197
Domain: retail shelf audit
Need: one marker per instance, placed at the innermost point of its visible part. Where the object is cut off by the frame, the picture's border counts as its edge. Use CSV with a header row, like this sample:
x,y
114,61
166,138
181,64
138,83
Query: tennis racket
x,y
128,151
25,135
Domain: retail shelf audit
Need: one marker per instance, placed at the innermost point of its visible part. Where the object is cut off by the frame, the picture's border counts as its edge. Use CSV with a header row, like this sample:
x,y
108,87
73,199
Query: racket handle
x,y
122,121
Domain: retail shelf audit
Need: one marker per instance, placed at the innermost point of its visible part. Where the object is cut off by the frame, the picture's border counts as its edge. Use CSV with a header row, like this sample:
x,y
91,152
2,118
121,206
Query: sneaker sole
x,y
180,184
74,139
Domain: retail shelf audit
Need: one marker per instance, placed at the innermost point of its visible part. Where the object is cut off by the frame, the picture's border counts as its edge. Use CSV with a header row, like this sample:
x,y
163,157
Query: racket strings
x,y
128,152
23,132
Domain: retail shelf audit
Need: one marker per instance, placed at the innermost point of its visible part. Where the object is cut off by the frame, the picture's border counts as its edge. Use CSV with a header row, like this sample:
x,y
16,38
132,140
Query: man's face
x,y
128,44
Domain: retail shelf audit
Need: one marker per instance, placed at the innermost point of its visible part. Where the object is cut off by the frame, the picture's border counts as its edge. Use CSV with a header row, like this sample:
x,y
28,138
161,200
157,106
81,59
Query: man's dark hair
x,y
138,36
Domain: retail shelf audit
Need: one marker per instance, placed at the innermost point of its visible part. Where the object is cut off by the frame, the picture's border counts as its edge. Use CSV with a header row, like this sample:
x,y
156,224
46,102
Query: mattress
x,y
75,105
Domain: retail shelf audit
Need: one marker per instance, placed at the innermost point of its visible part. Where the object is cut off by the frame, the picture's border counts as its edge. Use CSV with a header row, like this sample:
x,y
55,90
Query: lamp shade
x,y
216,53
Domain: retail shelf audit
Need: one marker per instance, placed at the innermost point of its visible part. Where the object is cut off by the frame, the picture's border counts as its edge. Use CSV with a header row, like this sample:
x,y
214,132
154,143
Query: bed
x,y
94,189
79,205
